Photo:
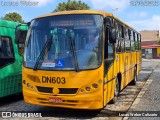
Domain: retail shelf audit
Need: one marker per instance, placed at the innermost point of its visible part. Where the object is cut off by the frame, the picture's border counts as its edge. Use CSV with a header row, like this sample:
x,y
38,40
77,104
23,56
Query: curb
x,y
140,95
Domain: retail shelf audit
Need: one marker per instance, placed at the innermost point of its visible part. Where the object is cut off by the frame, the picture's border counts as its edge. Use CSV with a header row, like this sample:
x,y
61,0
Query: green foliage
x,y
13,17
71,5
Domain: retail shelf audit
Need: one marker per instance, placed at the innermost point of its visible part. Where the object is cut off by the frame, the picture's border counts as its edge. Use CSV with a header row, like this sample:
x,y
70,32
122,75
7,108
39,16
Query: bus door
x,y
109,56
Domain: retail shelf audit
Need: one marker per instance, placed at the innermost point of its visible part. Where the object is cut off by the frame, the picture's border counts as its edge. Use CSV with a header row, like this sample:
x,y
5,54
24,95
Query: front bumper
x,y
90,101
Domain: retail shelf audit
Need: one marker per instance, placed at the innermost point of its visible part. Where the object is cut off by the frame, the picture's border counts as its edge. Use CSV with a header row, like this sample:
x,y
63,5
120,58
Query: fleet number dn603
x,y
54,80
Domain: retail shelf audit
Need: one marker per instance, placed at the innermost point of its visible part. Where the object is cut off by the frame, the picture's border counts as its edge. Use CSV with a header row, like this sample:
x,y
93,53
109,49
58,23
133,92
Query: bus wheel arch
x,y
119,76
117,88
133,82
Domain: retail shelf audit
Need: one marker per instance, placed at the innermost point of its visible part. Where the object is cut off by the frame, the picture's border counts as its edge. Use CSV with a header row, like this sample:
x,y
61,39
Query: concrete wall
x,y
150,35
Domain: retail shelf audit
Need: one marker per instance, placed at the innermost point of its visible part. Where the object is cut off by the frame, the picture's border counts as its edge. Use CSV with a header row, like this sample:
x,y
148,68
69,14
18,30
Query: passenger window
x,y
121,33
128,42
120,45
6,51
139,41
116,27
136,41
110,51
126,35
133,41
131,36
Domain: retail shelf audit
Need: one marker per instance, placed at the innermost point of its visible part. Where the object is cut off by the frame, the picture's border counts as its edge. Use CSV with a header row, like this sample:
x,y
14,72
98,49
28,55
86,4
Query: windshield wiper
x,y
42,53
72,47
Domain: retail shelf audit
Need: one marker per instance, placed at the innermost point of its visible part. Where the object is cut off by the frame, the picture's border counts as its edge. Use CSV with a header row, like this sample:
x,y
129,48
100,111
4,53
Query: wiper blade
x,y
72,47
42,53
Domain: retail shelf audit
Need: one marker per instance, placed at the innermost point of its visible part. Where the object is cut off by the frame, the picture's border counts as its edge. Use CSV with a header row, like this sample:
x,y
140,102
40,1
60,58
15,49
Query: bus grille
x,y
61,90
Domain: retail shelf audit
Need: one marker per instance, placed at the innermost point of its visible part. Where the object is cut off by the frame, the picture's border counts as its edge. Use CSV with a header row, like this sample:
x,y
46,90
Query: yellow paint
x,y
97,98
158,50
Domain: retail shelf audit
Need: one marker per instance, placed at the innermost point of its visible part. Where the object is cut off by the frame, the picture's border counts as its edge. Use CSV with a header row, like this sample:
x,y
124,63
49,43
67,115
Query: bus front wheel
x,y
116,92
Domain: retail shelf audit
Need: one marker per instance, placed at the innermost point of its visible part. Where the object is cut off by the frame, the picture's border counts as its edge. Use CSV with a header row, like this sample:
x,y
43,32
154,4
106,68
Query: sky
x,y
140,14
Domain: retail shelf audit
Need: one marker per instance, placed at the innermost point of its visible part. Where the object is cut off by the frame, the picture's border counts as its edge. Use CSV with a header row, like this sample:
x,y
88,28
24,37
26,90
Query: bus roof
x,y
76,12
9,24
100,12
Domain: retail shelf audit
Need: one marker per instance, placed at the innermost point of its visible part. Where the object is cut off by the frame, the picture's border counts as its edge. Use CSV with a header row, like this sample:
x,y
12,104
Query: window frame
x,y
128,39
12,50
120,37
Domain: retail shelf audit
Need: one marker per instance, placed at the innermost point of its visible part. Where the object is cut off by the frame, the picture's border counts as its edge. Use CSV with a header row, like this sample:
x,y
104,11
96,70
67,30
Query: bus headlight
x,y
88,88
82,90
28,85
95,85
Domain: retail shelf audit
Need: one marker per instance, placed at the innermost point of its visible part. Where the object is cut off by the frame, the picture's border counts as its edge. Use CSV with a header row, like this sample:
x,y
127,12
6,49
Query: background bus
x,y
10,60
60,70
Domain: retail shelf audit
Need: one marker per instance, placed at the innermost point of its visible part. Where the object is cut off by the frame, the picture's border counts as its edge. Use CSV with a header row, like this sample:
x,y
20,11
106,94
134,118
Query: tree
x,y
71,5
13,17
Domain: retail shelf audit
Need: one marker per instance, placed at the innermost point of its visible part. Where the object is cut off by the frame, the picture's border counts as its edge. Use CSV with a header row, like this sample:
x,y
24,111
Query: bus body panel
x,y
10,75
74,83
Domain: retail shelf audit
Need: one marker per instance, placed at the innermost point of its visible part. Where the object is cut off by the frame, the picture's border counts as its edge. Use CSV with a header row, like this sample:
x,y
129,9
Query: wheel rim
x,y
116,89
135,76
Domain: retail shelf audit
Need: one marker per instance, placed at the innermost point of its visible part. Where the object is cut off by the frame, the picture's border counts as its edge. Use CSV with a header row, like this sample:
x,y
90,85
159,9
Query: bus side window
x,y
126,35
120,29
132,41
120,38
6,51
136,41
127,41
6,47
116,27
110,51
139,41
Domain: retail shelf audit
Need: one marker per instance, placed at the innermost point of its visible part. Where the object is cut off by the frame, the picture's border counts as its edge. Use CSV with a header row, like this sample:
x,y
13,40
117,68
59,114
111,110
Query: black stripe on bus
x,y
105,82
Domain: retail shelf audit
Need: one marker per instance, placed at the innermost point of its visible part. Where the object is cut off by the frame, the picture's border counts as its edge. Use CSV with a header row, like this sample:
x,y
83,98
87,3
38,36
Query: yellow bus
x,y
79,59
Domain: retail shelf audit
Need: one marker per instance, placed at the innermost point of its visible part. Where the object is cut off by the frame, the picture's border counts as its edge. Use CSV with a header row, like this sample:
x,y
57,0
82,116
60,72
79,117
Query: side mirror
x,y
112,35
20,36
28,24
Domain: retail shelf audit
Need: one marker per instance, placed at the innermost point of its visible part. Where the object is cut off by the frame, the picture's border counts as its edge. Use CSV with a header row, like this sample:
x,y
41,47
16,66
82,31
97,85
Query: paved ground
x,y
126,99
148,101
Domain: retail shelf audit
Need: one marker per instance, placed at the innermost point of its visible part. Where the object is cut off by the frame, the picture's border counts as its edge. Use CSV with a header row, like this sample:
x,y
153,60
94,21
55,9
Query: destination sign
x,y
72,23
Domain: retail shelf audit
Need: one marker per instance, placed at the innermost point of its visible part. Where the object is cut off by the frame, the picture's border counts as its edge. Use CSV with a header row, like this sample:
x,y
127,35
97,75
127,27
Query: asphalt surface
x,y
149,102
125,101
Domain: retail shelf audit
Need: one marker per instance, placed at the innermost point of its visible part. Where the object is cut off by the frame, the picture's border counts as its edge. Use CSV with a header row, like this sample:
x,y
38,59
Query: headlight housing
x,y
28,85
91,87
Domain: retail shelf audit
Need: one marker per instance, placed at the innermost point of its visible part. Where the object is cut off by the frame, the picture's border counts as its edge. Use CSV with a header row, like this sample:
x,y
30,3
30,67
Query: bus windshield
x,y
64,42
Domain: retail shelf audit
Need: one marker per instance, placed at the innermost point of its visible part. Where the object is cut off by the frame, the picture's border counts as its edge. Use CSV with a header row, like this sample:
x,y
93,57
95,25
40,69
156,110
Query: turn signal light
x,y
28,85
24,82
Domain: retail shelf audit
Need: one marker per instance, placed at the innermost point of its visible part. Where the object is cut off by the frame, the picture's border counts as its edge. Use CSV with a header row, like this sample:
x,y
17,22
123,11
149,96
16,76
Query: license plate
x,y
55,100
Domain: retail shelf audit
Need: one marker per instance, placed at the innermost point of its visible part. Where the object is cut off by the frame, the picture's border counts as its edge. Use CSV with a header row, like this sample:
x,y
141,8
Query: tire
x,y
133,82
116,92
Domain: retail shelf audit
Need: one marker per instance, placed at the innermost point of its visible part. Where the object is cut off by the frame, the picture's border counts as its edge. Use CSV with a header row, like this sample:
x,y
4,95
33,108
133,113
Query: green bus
x,y
10,60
